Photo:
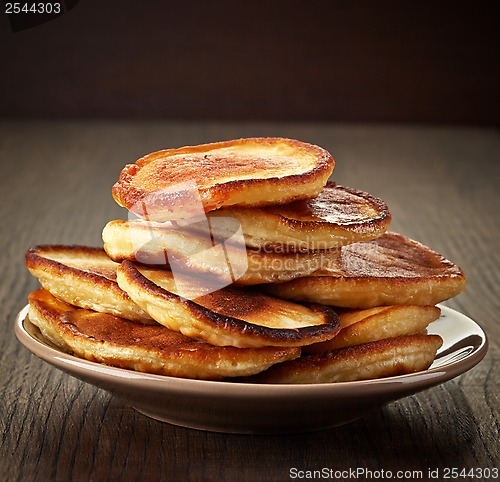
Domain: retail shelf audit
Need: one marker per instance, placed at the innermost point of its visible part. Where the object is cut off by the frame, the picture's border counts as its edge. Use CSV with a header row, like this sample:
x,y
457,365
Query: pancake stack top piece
x,y
245,244
248,172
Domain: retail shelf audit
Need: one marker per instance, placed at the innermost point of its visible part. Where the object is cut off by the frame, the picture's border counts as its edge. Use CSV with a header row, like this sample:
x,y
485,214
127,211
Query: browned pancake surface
x,y
337,205
391,270
393,256
150,348
229,316
255,171
338,216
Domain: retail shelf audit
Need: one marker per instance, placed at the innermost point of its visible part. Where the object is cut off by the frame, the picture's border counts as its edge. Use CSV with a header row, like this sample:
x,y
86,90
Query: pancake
x,y
83,276
230,316
378,359
338,216
44,312
391,270
372,324
177,183
194,253
112,340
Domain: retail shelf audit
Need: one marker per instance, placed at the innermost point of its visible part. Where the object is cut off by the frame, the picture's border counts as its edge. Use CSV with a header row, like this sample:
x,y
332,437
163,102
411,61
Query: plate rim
x,y
431,376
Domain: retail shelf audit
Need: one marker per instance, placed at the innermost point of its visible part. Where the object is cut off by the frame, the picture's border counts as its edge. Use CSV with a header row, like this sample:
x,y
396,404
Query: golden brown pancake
x,y
154,244
44,312
391,270
169,184
242,317
372,324
338,216
84,277
378,359
112,340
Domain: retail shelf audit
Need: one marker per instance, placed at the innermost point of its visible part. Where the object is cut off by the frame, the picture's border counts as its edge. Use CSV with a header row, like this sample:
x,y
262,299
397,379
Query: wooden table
x,y
441,185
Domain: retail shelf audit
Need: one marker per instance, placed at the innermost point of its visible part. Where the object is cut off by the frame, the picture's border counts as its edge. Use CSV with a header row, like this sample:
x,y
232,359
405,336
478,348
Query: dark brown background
x,y
360,61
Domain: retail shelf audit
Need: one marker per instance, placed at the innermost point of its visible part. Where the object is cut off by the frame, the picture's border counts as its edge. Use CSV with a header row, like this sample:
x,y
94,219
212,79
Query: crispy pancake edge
x,y
254,333
176,355
218,195
367,293
35,260
42,314
392,321
305,368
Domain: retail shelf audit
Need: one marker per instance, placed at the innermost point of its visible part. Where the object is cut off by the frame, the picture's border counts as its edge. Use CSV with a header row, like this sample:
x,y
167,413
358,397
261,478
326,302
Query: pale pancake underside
x,y
378,359
390,270
122,343
373,324
84,277
229,316
193,253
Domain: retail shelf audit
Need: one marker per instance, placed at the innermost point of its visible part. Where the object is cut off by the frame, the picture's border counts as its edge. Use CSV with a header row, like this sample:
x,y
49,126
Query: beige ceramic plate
x,y
259,408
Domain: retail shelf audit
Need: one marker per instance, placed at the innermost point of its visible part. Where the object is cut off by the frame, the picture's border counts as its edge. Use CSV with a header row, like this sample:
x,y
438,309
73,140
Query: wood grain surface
x,y
442,188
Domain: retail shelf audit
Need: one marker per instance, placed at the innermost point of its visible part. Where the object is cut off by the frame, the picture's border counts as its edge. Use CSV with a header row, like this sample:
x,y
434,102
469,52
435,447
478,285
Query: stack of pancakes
x,y
239,261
